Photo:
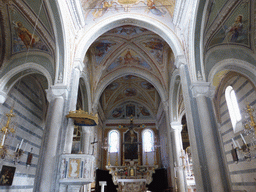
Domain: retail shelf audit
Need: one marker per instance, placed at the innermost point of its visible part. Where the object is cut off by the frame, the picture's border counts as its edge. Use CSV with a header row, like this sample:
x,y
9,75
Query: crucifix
x,y
92,143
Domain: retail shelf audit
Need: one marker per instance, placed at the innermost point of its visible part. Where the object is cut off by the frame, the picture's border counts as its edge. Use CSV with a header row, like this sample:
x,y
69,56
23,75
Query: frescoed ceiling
x,y
98,8
229,32
28,26
130,95
130,47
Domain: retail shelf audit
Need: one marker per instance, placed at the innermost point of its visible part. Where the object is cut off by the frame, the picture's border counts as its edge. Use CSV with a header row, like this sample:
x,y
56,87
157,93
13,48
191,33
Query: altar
x,y
132,177
131,167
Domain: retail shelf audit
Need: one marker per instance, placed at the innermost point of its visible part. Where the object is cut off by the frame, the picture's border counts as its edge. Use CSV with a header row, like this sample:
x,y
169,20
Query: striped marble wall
x,y
29,107
243,173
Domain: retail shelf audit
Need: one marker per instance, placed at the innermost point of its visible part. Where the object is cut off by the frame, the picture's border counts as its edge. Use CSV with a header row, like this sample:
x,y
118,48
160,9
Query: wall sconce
x,y
248,149
19,152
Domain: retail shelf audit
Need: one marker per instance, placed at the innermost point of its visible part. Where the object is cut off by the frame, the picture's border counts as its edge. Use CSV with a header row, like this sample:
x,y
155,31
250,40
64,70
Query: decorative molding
x,y
202,88
76,12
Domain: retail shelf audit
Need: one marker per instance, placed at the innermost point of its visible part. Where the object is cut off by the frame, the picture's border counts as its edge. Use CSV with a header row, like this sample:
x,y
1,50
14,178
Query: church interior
x,y
127,95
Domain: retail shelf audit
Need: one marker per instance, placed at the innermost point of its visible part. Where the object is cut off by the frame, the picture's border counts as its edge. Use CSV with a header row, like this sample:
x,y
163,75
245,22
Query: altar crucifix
x,y
131,144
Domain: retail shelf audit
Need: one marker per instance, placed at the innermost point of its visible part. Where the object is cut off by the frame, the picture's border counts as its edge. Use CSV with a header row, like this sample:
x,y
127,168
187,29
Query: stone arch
x,y
174,87
120,73
128,19
14,75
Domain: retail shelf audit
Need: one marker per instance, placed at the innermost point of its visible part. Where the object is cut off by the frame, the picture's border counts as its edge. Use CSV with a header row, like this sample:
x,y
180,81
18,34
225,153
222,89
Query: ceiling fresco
x,y
129,95
130,47
235,29
95,9
228,23
28,28
23,34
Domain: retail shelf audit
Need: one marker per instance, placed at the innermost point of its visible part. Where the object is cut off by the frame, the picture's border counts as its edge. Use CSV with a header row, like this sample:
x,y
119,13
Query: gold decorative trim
x,y
83,118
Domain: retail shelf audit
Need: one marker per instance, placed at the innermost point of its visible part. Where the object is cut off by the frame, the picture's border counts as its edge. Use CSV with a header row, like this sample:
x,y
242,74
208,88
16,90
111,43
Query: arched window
x,y
233,107
113,141
148,140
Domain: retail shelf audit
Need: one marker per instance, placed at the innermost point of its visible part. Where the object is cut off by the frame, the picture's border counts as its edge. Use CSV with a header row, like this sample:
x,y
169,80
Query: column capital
x,y
202,88
56,91
79,65
3,97
180,60
176,126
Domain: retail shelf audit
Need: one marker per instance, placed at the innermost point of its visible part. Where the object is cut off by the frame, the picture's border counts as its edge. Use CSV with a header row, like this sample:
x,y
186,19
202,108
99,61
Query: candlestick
x,y
243,138
2,144
21,143
234,143
238,145
16,147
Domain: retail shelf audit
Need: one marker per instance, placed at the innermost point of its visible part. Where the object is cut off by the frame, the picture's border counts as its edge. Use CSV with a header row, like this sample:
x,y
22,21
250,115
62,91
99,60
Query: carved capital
x,y
202,88
56,91
176,126
180,60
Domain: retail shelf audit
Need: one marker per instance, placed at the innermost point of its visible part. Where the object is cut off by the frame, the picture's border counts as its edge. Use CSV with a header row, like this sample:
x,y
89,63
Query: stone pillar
x,y
55,96
192,122
201,90
73,101
176,131
87,135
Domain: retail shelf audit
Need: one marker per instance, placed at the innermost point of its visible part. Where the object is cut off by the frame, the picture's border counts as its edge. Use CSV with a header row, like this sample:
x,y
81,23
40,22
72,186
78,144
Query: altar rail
x,y
77,169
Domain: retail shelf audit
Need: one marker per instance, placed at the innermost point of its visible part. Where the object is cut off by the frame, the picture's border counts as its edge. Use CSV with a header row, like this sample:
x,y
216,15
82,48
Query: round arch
x,y
174,93
128,19
236,65
122,72
10,78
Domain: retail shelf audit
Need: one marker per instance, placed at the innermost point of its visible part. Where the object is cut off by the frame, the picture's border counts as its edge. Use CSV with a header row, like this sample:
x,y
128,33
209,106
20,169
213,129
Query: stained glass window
x,y
148,140
233,107
113,141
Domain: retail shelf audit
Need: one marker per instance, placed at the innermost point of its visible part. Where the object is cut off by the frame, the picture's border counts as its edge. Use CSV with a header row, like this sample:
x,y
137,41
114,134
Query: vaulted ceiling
x,y
137,50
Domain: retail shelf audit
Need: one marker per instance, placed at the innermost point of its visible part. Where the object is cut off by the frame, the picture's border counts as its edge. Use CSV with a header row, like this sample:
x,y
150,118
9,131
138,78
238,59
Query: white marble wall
x,y
243,173
29,109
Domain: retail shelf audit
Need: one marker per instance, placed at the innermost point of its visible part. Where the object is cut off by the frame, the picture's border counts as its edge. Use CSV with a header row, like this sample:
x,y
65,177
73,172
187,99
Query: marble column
x,y
191,111
55,96
73,101
201,90
176,131
87,133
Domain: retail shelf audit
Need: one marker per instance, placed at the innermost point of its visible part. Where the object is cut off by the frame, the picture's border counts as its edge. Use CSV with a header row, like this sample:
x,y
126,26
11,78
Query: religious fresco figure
x,y
152,8
23,33
234,31
102,10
